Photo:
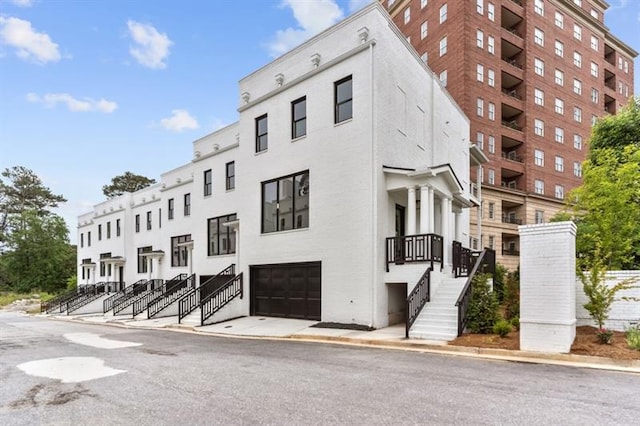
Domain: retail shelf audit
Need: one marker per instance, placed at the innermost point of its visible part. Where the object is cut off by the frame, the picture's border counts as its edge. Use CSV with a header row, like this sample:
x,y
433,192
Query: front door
x,y
399,220
120,280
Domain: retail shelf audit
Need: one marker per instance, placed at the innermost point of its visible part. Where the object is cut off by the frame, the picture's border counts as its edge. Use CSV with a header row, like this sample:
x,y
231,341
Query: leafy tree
x,y
128,182
616,131
483,311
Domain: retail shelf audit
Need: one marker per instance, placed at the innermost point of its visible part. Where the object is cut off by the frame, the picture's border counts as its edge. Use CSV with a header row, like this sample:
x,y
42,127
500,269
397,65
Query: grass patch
x,y
8,297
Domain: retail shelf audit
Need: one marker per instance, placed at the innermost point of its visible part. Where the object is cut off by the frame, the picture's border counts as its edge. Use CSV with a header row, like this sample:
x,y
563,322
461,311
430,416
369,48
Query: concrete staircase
x,y
193,319
439,317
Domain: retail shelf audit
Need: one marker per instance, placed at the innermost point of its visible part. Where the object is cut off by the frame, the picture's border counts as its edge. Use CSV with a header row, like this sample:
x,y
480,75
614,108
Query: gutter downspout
x,y
374,189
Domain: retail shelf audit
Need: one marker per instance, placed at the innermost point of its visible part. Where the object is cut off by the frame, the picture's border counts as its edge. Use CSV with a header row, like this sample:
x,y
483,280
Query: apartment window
x,y
559,192
423,3
577,86
148,221
626,66
577,142
480,107
491,45
99,232
559,20
538,66
491,11
595,43
220,237
559,77
262,136
538,36
538,158
559,164
108,230
89,239
285,203
619,62
443,78
559,48
118,227
559,135
491,179
179,250
480,39
299,118
105,269
577,59
538,96
142,259
187,204
425,57
539,216
538,186
343,99
594,120
443,13
594,13
170,208
480,72
492,208
595,95
492,144
594,69
480,6
538,7
491,242
81,240
207,182
559,106
577,31
480,140
578,2
159,218
137,223
407,15
492,111
424,30
230,175
481,174
577,169
577,114
443,46
538,127
491,78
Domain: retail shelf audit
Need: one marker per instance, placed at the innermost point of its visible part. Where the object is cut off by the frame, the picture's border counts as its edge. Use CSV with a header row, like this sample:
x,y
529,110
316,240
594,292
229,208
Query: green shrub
x,y
633,337
482,313
498,281
502,328
511,300
72,282
515,322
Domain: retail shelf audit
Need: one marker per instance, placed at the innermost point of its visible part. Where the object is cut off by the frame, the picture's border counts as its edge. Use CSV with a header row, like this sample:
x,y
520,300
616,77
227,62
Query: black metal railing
x,y
85,298
54,303
462,260
219,298
172,293
414,248
485,264
191,300
419,296
511,219
108,303
510,252
138,291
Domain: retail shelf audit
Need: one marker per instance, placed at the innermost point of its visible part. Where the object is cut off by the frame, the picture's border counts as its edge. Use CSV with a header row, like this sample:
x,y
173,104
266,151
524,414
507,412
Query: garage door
x,y
289,290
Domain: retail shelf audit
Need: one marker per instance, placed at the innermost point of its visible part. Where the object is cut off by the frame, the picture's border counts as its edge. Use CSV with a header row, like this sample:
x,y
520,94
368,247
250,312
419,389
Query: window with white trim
x,y
443,13
538,36
594,13
559,77
480,107
559,48
577,86
594,69
559,136
559,192
538,158
577,32
492,111
492,144
594,42
492,210
480,38
577,114
538,127
539,216
480,6
480,140
578,2
538,97
577,59
538,7
595,95
480,72
559,106
491,12
423,30
538,66
491,45
491,77
577,142
443,46
559,20
538,186
626,66
444,78
491,178
559,165
423,3
577,169
407,15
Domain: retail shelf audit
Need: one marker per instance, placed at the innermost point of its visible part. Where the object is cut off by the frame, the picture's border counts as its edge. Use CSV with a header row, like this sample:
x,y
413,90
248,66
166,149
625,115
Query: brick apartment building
x,y
532,76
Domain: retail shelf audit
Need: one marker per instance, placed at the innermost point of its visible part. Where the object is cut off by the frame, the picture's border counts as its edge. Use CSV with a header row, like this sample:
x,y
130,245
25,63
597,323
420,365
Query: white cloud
x,y
151,48
22,3
50,100
30,45
180,120
358,4
311,16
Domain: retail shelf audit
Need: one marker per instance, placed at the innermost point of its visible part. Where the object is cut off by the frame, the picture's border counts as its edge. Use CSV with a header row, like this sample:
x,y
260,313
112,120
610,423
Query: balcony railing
x,y
518,2
513,62
510,252
511,219
512,156
512,125
414,248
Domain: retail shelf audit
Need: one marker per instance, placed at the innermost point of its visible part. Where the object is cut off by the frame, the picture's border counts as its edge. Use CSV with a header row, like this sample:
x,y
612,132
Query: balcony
x,y
511,219
513,55
510,252
512,156
512,93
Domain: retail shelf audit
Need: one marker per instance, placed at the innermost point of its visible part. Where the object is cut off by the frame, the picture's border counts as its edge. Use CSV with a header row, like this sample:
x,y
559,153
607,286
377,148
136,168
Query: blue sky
x,y
90,89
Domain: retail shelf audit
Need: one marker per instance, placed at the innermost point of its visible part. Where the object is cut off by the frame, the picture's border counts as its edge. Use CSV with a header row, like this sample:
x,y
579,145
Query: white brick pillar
x,y
547,287
445,210
411,211
432,212
458,228
425,209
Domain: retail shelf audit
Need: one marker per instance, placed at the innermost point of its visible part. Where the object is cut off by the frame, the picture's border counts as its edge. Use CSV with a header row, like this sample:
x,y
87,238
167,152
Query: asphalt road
x,y
173,378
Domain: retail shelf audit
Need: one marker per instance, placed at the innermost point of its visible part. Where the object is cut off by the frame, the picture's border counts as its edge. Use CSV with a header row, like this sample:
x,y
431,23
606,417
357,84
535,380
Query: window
x,y
88,271
480,107
480,39
559,192
578,2
559,20
187,204
559,106
559,164
577,86
424,30
343,99
538,127
538,96
299,118
594,69
492,144
230,174
491,180
425,57
538,36
179,250
559,48
539,158
99,232
577,142
81,240
619,62
117,227
539,216
407,15
577,169
443,13
626,66
594,120
577,114
538,66
285,203
491,78
594,43
443,78
148,221
480,140
491,242
491,45
159,218
491,11
559,135
538,187
262,136
207,182
89,239
480,72
105,270
170,208
143,265
538,7
137,223
577,31
594,13
577,59
443,46
480,6
220,237
423,3
108,230
492,111
559,77
595,95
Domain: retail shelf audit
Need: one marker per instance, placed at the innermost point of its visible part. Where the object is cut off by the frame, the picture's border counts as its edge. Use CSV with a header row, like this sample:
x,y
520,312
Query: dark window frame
x,y
338,103
89,239
187,204
149,221
105,270
262,139
142,260
296,120
170,208
118,227
179,255
230,177
100,232
295,224
229,235
208,186
108,230
137,223
81,240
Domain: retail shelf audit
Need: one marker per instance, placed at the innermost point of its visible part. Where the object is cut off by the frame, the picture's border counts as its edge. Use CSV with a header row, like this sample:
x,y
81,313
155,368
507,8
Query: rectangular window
x,y
559,77
480,140
577,31
108,230
538,66
594,69
423,3
230,178
559,164
443,78
262,134
88,271
538,187
220,237
159,218
170,208
559,192
299,118
538,97
137,223
538,7
491,179
480,107
559,20
539,158
285,203
538,127
105,270
577,169
81,240
594,13
559,106
559,48
492,144
179,250
595,43
559,135
480,39
480,72
577,86
491,11
492,111
118,227
480,6
187,204
424,30
595,95
538,36
491,45
343,99
577,114
577,142
89,239
407,15
149,220
491,78
443,13
207,183
142,260
492,210
577,59
539,216
443,46
99,232
491,242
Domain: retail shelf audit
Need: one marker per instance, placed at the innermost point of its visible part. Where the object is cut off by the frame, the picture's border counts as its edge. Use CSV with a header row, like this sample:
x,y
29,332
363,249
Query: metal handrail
x,y
419,296
191,300
85,298
486,263
188,303
172,293
414,248
108,303
219,298
138,291
50,304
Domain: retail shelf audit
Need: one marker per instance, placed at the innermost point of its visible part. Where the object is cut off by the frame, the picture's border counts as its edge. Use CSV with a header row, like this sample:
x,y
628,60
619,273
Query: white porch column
x,y
93,275
425,209
479,208
458,228
445,210
190,259
149,261
411,211
432,212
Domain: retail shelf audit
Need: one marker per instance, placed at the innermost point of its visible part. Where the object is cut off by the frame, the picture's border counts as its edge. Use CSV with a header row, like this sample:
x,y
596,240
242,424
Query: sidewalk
x,y
388,338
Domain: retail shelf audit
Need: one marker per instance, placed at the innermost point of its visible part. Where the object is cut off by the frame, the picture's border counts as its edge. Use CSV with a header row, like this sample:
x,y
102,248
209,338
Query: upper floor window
x,y
149,221
577,86
137,223
407,15
423,3
539,157
538,66
89,239
595,95
299,118
491,78
81,240
491,177
539,216
559,20
559,135
594,43
480,72
577,114
99,232
480,140
538,127
480,6
559,48
577,31
559,164
285,203
491,111
444,78
207,182
108,230
170,208
480,107
219,236
538,187
424,30
538,7
443,46
559,106
187,204
491,45
179,250
594,69
443,13
492,144
538,36
491,11
261,134
480,38
538,96
577,169
343,99
577,142
559,77
559,192
230,173
118,227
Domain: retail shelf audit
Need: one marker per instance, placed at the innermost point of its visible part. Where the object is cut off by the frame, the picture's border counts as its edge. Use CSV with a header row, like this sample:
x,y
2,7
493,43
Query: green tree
x,y
128,182
616,131
483,311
